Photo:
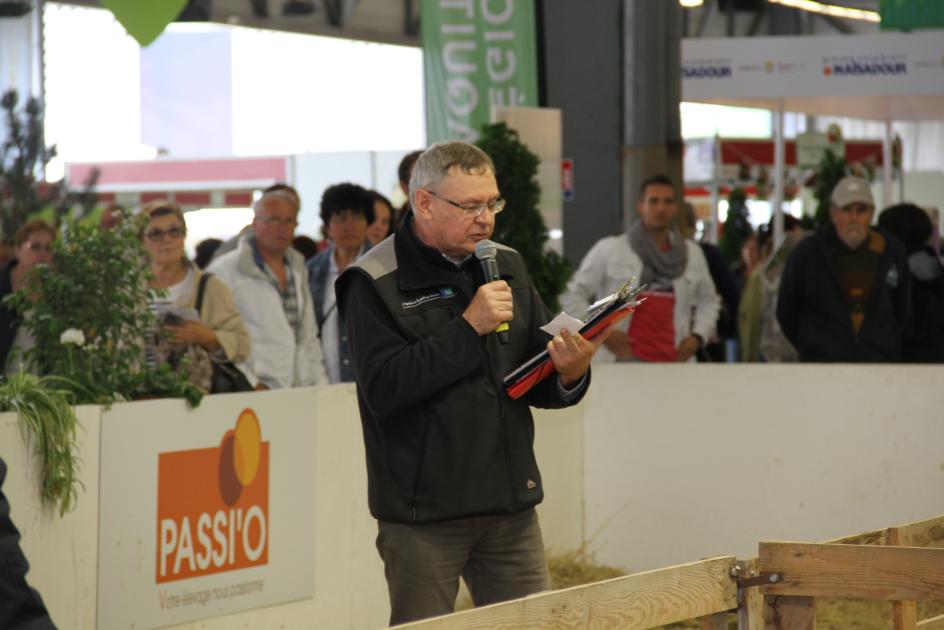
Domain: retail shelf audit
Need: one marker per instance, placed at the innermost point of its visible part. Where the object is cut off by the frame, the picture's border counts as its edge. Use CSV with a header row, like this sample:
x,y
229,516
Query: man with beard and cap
x,y
844,294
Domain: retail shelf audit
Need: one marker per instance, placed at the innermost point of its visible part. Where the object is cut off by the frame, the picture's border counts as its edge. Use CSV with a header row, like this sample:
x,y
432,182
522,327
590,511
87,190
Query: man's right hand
x,y
618,344
490,307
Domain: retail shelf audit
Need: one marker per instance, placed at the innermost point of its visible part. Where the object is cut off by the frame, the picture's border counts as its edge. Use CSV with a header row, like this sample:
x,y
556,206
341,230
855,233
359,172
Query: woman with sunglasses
x,y
33,248
216,327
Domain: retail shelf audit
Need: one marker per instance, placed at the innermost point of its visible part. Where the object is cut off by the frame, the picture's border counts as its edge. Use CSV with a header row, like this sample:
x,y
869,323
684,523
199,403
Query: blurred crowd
x,y
254,312
259,310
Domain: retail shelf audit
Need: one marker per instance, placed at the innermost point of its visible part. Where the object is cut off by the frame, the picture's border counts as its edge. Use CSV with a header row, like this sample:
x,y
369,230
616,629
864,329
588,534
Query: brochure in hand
x,y
598,317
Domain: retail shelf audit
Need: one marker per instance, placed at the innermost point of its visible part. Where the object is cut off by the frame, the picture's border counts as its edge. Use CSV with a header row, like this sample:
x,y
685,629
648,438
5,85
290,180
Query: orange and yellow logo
x,y
213,505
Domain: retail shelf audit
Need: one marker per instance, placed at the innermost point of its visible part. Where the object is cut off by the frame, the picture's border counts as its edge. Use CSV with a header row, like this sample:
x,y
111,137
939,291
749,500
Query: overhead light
x,y
830,9
689,4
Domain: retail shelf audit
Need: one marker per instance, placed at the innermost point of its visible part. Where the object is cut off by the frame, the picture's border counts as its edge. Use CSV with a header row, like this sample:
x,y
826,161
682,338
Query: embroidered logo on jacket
x,y
441,294
891,278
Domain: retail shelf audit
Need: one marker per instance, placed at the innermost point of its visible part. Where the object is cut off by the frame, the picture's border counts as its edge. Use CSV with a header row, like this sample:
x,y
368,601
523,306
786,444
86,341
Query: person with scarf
x,y
681,306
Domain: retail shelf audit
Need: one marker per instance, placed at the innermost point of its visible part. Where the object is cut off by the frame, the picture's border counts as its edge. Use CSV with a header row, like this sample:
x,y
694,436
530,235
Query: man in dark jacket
x,y
452,476
21,607
844,293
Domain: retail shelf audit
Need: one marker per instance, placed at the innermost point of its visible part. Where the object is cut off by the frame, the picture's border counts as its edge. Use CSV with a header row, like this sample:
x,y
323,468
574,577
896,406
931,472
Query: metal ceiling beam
x,y
240,13
411,19
756,20
837,24
706,10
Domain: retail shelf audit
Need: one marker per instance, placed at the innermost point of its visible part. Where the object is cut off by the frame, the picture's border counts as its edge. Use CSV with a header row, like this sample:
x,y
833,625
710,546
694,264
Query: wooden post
x,y
789,613
904,613
750,600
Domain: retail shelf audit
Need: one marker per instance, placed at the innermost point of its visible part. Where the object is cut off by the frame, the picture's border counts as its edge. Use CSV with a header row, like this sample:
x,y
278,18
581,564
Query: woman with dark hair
x,y
384,219
212,329
924,340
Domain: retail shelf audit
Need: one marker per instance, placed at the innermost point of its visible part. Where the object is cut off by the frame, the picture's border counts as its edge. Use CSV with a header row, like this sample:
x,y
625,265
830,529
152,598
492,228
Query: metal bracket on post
x,y
747,579
764,579
750,600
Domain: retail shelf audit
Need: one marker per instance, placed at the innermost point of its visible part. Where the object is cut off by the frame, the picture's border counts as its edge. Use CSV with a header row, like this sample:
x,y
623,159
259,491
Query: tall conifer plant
x,y
737,226
521,225
22,153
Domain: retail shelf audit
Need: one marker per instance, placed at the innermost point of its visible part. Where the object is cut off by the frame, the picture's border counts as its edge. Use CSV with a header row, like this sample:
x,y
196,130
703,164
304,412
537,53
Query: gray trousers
x,y
499,557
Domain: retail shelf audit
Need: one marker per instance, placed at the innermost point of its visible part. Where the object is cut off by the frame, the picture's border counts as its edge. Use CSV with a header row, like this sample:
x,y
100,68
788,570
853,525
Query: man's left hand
x,y
571,354
688,348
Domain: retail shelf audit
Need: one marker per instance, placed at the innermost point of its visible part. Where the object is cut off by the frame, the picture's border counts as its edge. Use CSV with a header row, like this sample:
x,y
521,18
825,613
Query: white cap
x,y
852,190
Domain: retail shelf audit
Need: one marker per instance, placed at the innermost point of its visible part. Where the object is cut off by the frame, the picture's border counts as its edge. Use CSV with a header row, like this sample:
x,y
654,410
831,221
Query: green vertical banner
x,y
476,54
911,14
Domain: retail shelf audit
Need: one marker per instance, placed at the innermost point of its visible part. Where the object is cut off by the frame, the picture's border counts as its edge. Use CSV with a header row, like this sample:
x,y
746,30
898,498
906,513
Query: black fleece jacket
x,y
443,439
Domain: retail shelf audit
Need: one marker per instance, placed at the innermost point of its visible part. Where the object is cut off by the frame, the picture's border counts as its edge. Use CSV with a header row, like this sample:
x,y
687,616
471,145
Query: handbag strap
x,y
201,289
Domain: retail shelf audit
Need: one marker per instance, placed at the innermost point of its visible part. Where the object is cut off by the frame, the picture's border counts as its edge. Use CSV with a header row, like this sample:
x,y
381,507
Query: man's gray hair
x,y
279,194
435,163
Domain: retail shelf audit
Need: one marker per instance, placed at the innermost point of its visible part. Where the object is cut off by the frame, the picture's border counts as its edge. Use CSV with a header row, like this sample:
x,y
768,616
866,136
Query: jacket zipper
x,y
419,466
507,440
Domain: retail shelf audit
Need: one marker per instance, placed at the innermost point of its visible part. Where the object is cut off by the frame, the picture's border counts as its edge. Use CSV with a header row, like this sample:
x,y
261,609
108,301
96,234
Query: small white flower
x,y
73,335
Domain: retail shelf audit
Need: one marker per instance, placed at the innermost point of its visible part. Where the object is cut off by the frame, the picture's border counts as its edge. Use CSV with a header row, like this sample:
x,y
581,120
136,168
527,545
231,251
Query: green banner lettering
x,y
476,54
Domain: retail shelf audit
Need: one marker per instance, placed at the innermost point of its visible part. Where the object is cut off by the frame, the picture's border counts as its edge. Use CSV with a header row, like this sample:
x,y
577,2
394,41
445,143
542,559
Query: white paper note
x,y
563,320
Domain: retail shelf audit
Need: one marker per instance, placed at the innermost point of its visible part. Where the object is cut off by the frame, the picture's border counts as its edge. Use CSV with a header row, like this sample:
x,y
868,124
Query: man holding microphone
x,y
452,476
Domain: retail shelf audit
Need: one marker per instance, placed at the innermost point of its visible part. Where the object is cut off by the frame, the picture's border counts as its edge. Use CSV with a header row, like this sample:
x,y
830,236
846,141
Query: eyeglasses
x,y
474,209
158,235
277,222
38,247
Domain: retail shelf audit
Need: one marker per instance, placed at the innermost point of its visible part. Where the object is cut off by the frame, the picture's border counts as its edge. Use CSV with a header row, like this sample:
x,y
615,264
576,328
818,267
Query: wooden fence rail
x,y
634,602
901,564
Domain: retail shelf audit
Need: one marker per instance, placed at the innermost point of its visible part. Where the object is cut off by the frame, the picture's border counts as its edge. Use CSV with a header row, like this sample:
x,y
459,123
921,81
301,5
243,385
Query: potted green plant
x,y
88,314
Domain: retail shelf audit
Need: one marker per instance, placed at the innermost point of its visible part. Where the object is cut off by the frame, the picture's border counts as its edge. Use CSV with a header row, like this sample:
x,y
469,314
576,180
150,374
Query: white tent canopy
x,y
885,76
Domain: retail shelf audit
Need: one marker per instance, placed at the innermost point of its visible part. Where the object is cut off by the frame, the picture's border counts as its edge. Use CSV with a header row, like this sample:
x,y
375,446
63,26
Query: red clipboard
x,y
599,317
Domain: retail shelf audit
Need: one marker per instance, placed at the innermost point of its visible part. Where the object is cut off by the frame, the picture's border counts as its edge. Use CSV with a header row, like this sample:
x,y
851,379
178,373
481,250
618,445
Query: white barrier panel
x,y
62,551
687,462
661,464
205,512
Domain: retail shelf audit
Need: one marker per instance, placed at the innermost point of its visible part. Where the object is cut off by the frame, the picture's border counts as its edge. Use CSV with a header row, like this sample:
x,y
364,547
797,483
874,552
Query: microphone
x,y
485,251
